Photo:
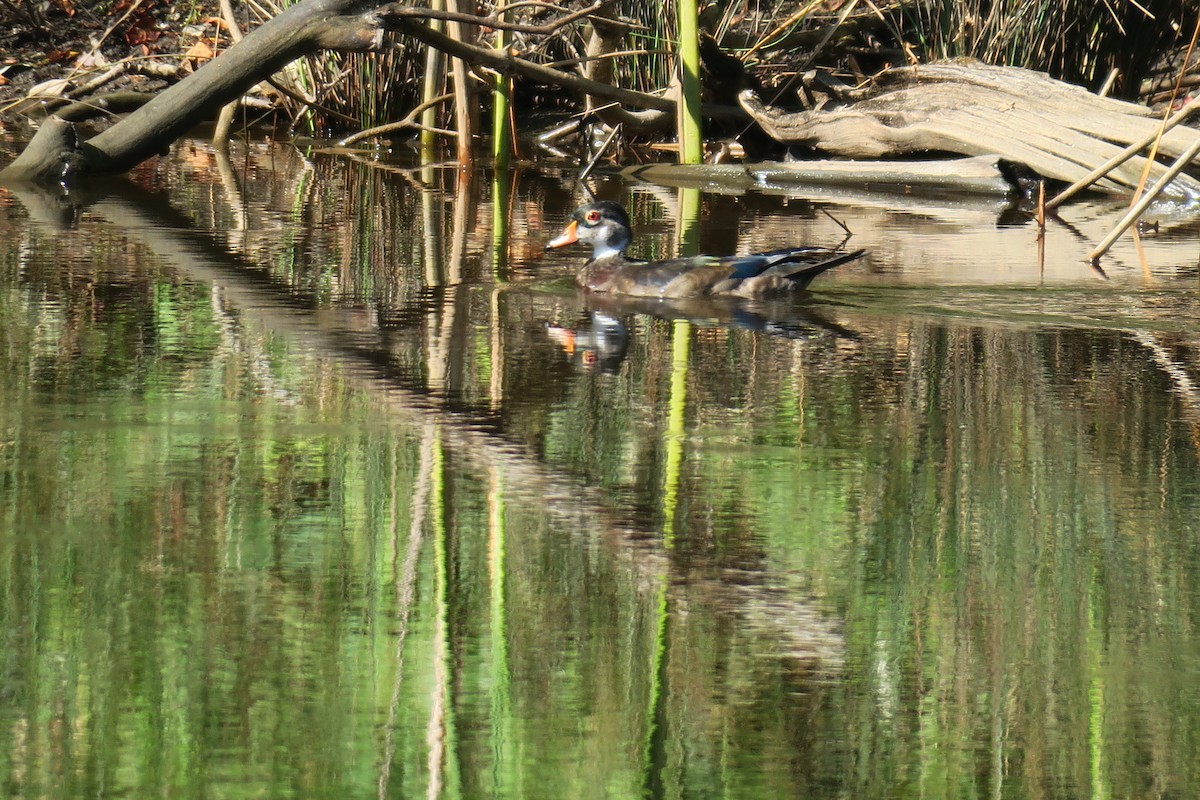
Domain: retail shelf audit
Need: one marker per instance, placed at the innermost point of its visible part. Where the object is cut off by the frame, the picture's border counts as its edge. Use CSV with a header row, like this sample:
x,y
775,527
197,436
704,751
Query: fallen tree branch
x,y
55,154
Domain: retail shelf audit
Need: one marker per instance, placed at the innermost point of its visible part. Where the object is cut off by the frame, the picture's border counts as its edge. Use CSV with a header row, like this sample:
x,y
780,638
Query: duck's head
x,y
603,225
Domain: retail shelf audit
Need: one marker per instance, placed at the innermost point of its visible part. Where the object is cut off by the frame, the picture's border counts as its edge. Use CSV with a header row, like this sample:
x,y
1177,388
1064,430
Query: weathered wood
x,y
966,107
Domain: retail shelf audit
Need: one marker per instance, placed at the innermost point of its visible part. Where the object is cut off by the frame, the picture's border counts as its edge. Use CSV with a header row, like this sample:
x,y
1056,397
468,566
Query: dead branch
x,y
55,153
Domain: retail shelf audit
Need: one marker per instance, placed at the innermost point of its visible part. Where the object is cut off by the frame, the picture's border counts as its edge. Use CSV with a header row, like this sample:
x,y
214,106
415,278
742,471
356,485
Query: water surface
x,y
312,484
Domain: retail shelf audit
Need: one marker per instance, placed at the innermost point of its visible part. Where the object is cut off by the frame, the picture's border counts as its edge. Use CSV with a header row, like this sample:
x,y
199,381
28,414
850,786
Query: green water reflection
x,y
311,505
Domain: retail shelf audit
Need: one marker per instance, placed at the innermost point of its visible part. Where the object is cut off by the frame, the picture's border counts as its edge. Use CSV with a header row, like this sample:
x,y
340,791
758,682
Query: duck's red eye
x,y
592,216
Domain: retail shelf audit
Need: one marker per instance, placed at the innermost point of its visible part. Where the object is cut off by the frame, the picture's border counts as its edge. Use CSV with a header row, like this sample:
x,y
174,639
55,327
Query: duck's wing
x,y
673,278
752,275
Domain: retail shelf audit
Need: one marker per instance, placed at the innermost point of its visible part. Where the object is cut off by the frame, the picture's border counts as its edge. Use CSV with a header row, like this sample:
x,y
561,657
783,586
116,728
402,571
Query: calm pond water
x,y
319,479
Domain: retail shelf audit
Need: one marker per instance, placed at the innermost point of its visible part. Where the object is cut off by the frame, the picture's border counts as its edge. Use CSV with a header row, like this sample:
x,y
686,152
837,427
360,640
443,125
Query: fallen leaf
x,y
200,51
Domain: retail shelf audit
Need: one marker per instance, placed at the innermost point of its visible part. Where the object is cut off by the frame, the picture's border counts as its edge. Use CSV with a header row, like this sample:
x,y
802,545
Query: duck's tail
x,y
801,265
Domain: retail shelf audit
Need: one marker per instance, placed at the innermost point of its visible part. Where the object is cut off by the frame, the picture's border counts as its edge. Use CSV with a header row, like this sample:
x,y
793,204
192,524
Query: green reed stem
x,y
501,99
691,135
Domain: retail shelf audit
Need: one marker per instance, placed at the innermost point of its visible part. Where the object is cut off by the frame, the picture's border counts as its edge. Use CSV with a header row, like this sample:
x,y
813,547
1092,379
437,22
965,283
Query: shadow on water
x,y
313,482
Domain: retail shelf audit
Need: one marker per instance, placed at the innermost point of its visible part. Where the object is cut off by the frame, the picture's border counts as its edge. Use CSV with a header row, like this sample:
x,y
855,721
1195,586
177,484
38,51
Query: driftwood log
x,y
966,107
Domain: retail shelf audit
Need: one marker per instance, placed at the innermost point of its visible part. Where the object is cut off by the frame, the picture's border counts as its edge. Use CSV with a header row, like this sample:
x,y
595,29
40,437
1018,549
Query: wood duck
x,y
605,226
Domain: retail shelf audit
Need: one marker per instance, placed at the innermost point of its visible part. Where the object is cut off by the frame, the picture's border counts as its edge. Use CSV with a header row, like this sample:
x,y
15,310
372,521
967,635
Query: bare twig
x,y
838,222
599,153
1041,207
95,83
409,121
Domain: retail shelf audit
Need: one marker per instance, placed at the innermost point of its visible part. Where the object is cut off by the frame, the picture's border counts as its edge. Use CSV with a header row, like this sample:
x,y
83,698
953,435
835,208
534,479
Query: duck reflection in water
x,y
598,342
601,337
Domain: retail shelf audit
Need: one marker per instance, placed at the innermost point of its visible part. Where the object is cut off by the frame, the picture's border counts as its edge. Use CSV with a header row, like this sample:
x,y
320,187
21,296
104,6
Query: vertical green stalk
x,y
496,366
654,758
501,98
691,136
1097,698
687,232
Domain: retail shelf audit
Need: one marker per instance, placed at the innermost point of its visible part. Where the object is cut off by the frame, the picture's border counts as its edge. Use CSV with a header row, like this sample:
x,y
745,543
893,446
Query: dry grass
x,y
1080,41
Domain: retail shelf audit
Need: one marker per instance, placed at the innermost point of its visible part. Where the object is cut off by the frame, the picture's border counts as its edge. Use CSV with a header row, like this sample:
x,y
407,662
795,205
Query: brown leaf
x,y
200,51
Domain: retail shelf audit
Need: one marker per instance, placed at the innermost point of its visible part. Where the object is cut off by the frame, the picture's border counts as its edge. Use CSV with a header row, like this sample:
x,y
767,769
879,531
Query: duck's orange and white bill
x,y
570,235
